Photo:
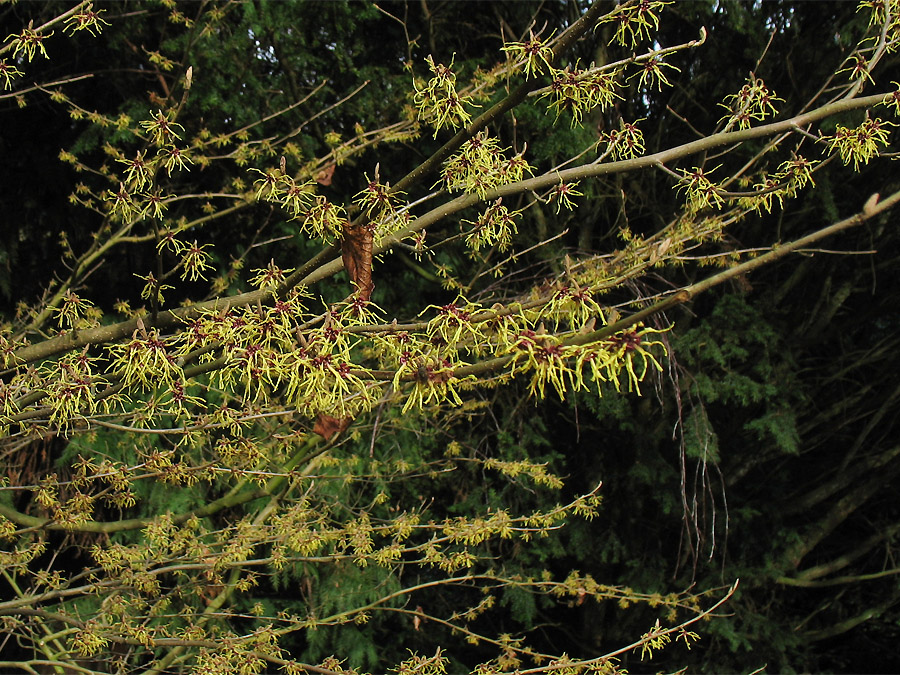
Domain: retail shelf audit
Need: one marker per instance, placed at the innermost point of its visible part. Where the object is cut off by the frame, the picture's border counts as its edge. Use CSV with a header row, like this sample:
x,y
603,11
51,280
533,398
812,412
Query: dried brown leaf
x,y
356,251
327,426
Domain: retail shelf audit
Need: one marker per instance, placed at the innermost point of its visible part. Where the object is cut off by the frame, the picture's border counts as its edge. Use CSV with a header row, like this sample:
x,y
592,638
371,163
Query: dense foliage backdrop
x,y
448,336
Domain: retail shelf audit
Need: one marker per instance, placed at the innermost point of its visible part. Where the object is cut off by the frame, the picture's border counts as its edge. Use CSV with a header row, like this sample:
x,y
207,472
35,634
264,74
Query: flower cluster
x,y
534,55
493,227
651,73
74,311
861,143
87,19
626,142
790,177
321,378
480,165
635,21
548,360
144,362
453,328
376,198
628,353
552,361
879,10
8,73
754,102
795,174
29,42
437,101
571,305
562,194
434,381
276,186
269,278
323,220
701,191
138,171
891,99
381,205
164,131
153,289
858,67
135,199
577,92
72,385
195,260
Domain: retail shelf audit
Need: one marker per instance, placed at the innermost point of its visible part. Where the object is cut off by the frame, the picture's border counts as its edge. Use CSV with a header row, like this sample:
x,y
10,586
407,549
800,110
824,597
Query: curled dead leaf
x,y
356,252
325,175
327,426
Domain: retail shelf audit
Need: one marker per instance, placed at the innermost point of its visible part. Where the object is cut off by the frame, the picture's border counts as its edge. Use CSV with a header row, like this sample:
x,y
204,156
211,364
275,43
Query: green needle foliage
x,y
237,438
